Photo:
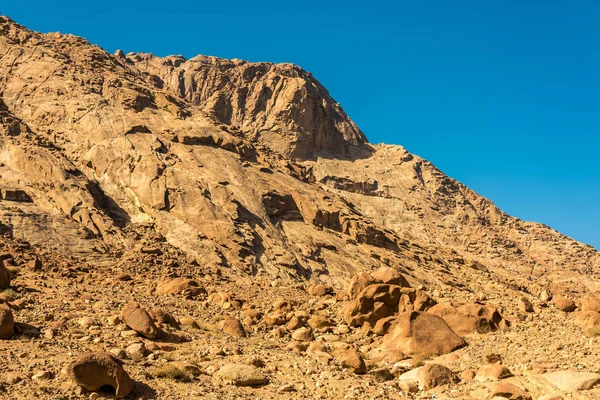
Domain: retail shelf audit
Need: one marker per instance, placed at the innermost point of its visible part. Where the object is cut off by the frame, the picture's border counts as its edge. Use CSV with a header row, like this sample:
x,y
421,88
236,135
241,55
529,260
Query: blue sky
x,y
503,96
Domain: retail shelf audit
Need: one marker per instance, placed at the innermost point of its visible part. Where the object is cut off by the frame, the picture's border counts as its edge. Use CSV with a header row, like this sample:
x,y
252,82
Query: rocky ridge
x,y
190,195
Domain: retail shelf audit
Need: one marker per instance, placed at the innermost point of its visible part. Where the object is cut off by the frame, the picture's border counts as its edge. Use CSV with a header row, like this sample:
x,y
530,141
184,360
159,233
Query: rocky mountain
x,y
234,173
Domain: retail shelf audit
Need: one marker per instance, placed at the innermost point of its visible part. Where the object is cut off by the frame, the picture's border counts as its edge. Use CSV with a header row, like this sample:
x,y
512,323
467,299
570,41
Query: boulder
x,y
570,381
469,318
7,322
94,370
358,283
241,375
414,300
303,334
389,276
185,286
372,303
433,375
135,317
232,327
384,325
349,358
422,334
564,304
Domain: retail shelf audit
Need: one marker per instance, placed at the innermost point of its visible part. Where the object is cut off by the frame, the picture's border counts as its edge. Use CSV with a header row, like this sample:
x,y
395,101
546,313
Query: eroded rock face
x,y
94,370
286,107
422,334
466,319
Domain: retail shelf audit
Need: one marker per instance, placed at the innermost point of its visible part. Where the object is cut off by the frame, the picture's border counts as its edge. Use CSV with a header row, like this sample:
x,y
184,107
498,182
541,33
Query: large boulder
x,y
466,319
7,322
422,334
138,319
94,370
372,303
180,285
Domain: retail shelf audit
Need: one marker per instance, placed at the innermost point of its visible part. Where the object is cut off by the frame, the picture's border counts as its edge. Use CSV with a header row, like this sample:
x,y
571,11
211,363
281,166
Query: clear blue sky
x,y
503,96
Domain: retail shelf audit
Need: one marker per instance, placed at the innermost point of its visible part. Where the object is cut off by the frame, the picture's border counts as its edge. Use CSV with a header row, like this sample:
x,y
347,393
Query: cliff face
x,y
249,168
279,105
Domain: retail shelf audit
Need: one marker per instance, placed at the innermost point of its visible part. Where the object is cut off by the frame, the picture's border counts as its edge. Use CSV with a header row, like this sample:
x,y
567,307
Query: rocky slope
x,y
240,174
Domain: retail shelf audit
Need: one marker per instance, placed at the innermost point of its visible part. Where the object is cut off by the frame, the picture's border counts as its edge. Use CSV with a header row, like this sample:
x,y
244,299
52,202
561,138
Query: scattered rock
x,y
564,304
349,358
139,320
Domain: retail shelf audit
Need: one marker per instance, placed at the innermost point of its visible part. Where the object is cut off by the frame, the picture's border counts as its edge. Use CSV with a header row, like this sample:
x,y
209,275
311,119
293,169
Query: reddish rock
x,y
422,334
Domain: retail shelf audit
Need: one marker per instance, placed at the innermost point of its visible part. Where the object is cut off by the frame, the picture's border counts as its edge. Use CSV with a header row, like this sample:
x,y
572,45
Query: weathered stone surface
x,y
94,370
422,334
372,303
